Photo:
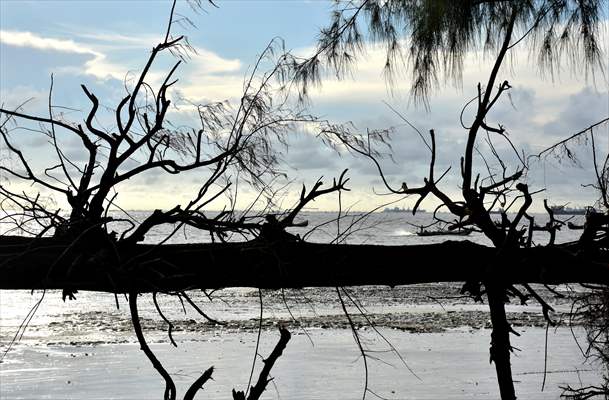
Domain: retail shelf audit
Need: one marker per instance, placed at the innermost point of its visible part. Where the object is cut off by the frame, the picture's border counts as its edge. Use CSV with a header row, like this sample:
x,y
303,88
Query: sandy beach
x,y
86,348
450,365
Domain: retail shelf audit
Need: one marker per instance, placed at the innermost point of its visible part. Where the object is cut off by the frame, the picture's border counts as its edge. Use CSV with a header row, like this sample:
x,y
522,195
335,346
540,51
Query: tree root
x,y
263,379
198,384
170,387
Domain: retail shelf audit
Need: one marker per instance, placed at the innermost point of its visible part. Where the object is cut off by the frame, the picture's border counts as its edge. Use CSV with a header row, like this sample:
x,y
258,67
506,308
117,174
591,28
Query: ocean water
x,y
94,331
385,228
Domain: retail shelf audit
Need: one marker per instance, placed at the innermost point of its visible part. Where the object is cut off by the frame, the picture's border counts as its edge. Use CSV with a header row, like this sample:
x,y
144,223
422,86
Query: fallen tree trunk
x,y
48,263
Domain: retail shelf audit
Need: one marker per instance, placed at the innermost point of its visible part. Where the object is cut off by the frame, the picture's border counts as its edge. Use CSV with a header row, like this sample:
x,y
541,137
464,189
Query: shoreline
x,y
87,349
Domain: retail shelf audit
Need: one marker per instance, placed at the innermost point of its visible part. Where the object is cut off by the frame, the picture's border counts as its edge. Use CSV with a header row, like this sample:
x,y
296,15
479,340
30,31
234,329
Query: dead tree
x,y
233,146
590,308
479,195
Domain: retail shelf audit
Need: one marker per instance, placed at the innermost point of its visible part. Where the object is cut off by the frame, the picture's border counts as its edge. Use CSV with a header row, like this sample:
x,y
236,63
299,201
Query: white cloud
x,y
207,62
31,40
208,88
204,61
208,77
97,66
367,81
113,40
205,75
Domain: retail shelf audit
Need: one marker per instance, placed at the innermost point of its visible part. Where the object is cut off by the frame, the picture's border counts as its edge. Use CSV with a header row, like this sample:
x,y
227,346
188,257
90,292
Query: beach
x,y
449,365
70,353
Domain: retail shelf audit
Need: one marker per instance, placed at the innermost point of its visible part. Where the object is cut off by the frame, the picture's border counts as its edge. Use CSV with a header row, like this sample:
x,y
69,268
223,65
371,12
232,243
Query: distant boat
x,y
564,210
398,209
462,232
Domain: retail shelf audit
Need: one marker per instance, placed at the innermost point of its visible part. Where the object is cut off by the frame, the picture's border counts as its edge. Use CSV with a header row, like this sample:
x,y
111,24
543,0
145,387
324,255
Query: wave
x,y
401,232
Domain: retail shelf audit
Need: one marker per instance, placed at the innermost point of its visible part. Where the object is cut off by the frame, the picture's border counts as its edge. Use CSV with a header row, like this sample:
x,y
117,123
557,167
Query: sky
x,y
100,43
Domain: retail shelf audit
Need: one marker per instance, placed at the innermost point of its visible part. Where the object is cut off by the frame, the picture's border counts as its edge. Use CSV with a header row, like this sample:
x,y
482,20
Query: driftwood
x,y
48,263
464,232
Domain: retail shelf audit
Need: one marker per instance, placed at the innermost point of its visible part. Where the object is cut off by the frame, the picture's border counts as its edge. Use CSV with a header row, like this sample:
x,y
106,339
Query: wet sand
x,y
86,349
450,365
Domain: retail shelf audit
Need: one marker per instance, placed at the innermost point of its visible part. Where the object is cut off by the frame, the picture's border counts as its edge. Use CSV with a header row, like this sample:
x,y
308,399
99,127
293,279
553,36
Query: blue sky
x,y
98,42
